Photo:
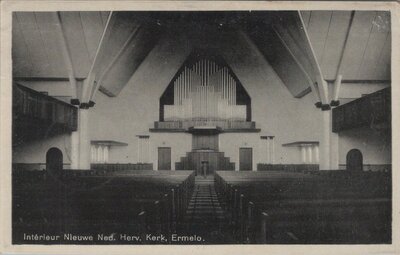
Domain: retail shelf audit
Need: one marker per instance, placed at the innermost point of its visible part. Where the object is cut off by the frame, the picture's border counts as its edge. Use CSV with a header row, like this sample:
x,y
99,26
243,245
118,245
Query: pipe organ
x,y
205,91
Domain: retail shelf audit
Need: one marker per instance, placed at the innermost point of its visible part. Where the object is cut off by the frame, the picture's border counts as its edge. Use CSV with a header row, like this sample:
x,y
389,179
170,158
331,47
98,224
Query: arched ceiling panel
x,y
35,47
274,47
76,41
383,67
22,61
47,27
93,26
373,65
357,43
123,26
367,52
318,28
132,57
335,41
36,50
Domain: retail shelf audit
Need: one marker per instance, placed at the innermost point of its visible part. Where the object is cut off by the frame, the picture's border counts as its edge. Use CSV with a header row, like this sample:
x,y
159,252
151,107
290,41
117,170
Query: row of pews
x,y
307,208
119,167
96,202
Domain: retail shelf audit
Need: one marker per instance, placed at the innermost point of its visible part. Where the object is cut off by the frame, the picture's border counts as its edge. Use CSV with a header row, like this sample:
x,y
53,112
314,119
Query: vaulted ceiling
x,y
37,52
368,48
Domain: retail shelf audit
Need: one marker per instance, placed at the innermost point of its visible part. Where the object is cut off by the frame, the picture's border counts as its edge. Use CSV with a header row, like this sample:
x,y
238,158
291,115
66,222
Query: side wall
x,y
375,146
35,152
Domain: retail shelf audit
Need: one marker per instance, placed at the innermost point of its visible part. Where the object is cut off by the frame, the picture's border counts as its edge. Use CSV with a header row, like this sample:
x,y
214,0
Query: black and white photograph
x,y
201,127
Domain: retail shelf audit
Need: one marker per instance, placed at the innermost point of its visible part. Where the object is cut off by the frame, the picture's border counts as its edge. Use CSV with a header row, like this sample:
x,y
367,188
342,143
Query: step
x,y
204,208
204,197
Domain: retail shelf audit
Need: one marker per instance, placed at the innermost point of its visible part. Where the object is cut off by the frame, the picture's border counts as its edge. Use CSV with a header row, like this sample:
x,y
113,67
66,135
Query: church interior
x,y
214,127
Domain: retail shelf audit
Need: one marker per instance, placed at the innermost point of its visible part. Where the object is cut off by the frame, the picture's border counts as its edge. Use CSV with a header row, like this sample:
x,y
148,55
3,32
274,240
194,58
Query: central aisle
x,y
205,216
204,206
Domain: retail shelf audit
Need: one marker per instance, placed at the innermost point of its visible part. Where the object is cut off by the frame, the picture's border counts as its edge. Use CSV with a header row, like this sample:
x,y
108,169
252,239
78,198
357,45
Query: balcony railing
x,y
371,110
39,114
222,125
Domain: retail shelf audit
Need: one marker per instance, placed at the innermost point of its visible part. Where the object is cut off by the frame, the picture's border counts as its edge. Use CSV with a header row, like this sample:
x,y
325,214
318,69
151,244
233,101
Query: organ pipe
x,y
205,91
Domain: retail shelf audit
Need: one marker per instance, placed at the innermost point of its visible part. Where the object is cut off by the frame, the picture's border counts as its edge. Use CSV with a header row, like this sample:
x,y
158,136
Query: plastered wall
x,y
374,144
35,152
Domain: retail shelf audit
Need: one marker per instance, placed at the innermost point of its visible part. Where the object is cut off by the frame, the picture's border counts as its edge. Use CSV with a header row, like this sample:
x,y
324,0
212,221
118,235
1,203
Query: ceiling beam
x,y
282,59
132,38
345,43
66,53
339,76
290,25
290,31
336,90
366,46
321,83
114,60
314,90
89,82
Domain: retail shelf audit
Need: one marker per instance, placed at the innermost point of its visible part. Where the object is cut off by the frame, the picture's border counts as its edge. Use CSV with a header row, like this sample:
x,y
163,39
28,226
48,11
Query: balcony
x,y
36,115
373,110
231,126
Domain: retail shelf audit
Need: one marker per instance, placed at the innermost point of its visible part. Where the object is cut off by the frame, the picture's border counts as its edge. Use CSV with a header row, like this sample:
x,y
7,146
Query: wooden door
x,y
245,159
354,160
164,158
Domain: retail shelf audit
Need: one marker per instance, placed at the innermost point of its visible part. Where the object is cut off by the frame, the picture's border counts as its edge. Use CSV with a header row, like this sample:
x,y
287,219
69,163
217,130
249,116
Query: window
x,y
309,154
99,153
309,151
270,148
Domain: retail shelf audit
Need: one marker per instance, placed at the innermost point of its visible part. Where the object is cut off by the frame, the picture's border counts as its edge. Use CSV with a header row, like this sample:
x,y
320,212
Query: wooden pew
x,y
153,201
264,206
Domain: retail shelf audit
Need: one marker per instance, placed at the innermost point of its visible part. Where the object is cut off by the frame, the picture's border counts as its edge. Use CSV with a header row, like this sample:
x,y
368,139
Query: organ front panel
x,y
205,91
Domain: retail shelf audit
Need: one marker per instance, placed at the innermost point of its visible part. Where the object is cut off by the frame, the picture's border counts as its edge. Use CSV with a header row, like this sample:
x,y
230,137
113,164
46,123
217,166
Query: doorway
x,y
54,160
164,158
354,160
245,159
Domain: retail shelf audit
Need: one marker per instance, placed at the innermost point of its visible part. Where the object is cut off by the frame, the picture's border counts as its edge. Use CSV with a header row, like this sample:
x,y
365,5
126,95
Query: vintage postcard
x,y
196,126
